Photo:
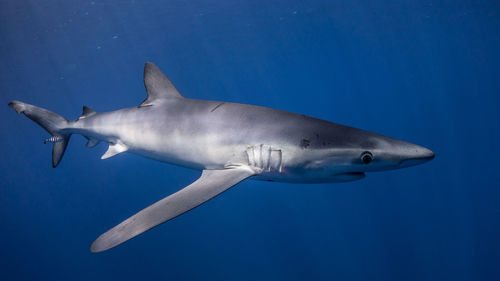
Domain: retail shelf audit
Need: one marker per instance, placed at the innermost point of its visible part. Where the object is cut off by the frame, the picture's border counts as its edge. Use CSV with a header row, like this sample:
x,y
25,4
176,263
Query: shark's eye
x,y
366,157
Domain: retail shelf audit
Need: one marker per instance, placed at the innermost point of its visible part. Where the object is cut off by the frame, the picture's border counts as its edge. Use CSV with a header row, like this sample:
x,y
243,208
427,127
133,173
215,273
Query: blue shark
x,y
228,142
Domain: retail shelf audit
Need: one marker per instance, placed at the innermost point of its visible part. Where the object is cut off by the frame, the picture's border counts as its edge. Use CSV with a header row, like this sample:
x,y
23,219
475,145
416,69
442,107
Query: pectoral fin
x,y
210,184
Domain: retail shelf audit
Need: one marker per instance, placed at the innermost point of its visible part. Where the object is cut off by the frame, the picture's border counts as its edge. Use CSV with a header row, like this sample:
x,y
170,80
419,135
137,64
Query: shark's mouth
x,y
350,176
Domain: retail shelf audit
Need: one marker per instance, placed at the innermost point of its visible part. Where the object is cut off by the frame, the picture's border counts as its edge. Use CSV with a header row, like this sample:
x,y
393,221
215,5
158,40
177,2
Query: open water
x,y
424,71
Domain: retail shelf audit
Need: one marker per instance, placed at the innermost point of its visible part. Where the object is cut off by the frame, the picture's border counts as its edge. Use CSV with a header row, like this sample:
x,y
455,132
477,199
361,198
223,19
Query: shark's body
x,y
229,142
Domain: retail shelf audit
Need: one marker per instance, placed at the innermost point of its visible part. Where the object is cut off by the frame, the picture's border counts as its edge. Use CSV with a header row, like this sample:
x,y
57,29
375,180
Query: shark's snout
x,y
416,156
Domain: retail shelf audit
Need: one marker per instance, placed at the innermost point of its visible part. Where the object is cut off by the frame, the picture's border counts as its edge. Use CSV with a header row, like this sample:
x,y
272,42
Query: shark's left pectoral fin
x,y
114,149
210,184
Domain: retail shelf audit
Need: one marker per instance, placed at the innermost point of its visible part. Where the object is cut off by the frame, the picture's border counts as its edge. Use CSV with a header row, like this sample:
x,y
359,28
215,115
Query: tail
x,y
54,123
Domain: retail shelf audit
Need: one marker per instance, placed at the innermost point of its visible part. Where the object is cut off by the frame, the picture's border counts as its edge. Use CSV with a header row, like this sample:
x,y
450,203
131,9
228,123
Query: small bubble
x,y
98,47
115,37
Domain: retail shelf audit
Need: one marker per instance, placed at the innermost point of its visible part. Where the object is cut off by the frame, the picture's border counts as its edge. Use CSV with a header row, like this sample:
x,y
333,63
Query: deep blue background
x,y
422,71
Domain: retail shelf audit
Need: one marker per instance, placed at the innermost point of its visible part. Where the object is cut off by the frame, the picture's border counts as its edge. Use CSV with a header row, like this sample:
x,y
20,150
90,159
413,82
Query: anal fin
x,y
91,142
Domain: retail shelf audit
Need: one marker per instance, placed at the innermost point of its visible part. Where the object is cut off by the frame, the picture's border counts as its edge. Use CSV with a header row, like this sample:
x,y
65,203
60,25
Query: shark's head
x,y
384,153
359,151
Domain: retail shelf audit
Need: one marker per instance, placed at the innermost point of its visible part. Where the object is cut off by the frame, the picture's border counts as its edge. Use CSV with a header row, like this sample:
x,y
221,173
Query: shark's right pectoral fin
x,y
210,184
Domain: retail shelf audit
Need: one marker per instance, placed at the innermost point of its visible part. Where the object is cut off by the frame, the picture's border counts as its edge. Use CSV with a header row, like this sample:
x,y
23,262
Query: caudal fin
x,y
54,123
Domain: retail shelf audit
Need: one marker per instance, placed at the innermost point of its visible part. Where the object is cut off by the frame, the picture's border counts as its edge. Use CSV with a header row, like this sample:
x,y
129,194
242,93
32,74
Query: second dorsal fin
x,y
86,112
158,86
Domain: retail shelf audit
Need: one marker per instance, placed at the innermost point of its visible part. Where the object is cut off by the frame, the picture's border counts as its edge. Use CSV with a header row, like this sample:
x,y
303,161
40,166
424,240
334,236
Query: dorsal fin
x,y
158,86
87,111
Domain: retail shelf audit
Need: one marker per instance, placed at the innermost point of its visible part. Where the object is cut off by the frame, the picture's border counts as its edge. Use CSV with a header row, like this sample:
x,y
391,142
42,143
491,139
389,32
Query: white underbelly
x,y
206,150
200,152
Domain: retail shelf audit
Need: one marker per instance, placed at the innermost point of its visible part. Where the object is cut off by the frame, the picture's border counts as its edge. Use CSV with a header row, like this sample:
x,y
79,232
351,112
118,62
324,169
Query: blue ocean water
x,y
422,71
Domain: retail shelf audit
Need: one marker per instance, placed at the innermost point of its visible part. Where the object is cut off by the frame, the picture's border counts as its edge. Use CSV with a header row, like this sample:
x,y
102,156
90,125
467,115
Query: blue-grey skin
x,y
228,141
210,135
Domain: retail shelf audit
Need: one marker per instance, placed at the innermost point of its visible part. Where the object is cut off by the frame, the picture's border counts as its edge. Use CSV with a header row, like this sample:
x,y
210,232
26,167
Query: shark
x,y
228,142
